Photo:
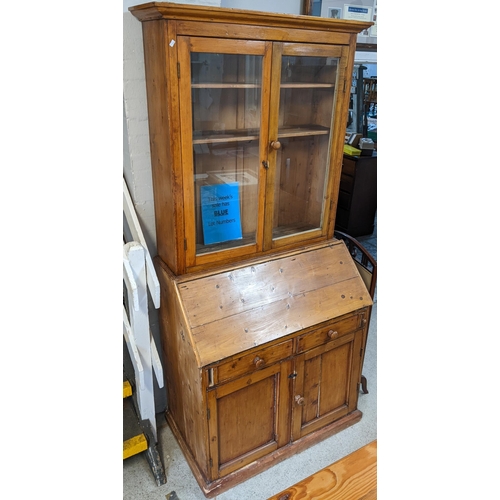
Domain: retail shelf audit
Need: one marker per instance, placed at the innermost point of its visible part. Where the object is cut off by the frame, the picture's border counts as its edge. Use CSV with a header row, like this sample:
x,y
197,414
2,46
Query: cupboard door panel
x,y
312,374
334,378
326,384
249,418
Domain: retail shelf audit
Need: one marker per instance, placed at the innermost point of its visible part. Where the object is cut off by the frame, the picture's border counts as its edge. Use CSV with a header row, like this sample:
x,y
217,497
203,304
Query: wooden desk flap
x,y
247,306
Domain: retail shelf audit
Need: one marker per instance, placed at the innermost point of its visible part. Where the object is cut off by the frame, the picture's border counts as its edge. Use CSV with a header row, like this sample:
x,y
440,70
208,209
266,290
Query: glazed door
x,y
306,82
326,385
258,120
248,418
224,93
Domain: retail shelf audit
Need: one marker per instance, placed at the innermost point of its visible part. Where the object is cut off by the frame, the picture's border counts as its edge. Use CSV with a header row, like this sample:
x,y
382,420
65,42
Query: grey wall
x,y
279,6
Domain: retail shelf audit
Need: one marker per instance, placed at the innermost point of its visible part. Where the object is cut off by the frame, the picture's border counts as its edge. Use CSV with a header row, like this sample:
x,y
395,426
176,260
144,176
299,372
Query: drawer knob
x,y
333,334
364,321
258,362
300,400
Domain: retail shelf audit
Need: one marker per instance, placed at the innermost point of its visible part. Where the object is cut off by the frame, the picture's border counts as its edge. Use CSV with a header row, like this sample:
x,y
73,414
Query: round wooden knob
x,y
258,362
333,334
276,144
300,400
363,321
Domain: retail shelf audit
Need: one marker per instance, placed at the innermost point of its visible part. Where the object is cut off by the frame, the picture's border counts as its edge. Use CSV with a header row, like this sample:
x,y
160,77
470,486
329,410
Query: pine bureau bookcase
x,y
263,313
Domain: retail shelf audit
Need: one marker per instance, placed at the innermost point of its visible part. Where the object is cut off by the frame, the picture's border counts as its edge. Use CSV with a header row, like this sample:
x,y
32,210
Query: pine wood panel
x,y
320,336
232,311
311,388
264,141
183,379
302,166
262,33
252,409
161,118
230,335
226,46
245,288
186,133
257,404
353,477
325,379
344,80
251,362
335,372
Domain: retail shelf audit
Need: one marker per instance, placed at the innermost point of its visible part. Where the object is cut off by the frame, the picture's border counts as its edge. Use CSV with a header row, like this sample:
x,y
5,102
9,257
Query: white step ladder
x,y
139,276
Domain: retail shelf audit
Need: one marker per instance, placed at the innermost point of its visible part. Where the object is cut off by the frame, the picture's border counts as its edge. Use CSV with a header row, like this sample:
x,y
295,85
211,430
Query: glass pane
x,y
305,128
226,100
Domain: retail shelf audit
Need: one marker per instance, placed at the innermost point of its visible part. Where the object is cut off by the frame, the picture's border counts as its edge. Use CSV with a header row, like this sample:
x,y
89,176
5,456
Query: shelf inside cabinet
x,y
247,240
236,85
225,86
290,229
215,136
301,131
307,85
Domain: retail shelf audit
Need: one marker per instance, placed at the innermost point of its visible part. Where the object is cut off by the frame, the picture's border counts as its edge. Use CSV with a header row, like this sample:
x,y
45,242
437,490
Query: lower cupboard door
x,y
326,386
248,418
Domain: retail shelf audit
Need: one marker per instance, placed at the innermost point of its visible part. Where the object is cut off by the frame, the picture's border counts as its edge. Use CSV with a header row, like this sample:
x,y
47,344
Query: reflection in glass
x,y
305,126
226,100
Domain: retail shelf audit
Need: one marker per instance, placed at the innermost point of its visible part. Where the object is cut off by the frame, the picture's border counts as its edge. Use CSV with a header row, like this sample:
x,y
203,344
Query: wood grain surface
x,y
353,477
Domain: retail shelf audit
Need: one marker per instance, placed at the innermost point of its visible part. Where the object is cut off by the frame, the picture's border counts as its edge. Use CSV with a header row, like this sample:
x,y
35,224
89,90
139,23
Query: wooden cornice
x,y
166,10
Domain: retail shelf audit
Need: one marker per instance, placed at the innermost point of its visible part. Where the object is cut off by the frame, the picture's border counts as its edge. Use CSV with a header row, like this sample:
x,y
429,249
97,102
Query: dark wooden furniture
x,y
263,313
353,477
367,267
357,203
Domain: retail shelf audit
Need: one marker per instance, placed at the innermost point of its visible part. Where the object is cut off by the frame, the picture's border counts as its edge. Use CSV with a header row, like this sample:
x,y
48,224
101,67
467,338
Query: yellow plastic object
x,y
349,150
134,445
127,389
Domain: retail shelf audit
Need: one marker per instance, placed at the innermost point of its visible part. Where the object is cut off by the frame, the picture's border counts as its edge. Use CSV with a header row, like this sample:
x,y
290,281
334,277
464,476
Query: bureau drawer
x,y
330,332
348,166
346,183
251,362
344,200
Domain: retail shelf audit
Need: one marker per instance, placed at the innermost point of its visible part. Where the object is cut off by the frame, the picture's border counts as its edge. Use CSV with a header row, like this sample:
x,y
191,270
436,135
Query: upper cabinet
x,y
247,115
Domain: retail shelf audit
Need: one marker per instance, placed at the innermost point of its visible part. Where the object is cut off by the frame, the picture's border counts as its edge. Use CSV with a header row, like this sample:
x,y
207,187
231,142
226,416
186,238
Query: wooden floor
x,y
353,477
